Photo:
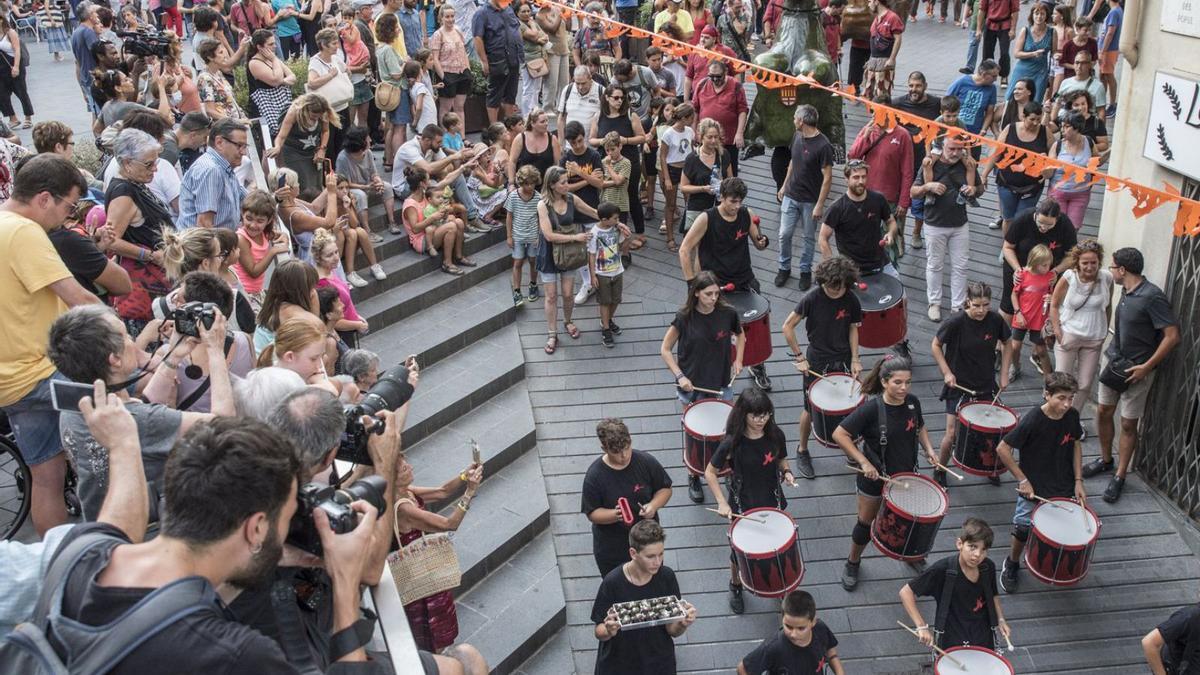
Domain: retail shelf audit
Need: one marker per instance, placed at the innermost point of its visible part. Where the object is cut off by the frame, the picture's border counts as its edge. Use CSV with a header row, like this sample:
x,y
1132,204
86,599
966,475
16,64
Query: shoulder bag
x,y
425,566
1116,370
338,91
571,255
387,96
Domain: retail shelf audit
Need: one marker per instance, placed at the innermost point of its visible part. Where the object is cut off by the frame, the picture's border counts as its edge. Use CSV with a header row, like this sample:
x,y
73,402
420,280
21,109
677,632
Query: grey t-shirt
x,y
359,172
1141,316
158,427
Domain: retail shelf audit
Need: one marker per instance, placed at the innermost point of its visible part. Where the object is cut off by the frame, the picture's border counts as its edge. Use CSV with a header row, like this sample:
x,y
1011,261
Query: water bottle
x,y
714,180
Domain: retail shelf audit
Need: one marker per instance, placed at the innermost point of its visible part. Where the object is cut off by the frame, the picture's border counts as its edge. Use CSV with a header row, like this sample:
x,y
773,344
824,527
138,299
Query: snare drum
x,y
909,517
703,425
767,553
983,425
830,400
974,660
1061,544
754,311
884,320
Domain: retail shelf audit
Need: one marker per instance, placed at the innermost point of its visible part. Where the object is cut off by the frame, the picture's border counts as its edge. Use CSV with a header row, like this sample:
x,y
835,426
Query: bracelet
x,y
679,376
1078,480
463,505
1022,481
141,254
924,627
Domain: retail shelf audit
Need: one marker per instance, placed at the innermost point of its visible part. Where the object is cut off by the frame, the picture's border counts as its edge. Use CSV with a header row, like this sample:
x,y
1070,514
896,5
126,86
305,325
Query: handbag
x,y
537,67
570,255
1115,373
425,566
387,96
338,91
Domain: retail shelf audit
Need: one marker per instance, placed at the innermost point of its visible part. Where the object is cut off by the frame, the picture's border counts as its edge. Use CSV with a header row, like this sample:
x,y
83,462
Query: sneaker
x,y
918,242
966,71
583,294
534,292
1111,110
1014,372
850,575
377,272
1113,492
1037,364
782,276
804,465
1082,434
995,224
805,281
376,238
1008,575
695,492
940,476
355,280
760,377
935,313
518,299
736,603
612,325
478,225
606,338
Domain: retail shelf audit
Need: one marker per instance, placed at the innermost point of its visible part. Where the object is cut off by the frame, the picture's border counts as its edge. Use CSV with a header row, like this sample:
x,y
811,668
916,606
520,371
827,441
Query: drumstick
x,y
1051,503
962,388
1087,522
947,469
714,392
936,648
760,521
997,396
891,481
1010,644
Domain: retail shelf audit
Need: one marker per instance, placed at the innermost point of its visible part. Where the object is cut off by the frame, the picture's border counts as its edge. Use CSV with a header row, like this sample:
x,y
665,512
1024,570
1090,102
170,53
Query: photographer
x,y
90,343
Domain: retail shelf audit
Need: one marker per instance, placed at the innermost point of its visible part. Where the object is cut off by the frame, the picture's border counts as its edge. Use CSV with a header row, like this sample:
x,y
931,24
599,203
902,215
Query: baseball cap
x,y
710,30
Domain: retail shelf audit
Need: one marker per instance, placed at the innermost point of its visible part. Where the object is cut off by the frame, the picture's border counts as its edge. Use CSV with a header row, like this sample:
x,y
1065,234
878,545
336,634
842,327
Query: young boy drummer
x,y
964,587
965,351
890,452
1048,438
649,651
831,315
804,644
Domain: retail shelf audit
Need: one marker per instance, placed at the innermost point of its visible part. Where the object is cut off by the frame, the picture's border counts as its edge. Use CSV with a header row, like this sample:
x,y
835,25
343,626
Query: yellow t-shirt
x,y
30,264
682,19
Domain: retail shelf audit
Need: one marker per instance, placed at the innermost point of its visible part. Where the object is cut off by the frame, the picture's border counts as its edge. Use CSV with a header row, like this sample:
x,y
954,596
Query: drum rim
x,y
726,294
758,556
963,648
994,430
862,398
1068,547
900,297
683,418
930,481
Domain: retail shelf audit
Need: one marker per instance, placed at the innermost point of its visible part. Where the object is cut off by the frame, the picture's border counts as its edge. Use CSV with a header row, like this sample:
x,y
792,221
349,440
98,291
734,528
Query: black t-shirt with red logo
x,y
827,323
603,486
704,350
967,620
1046,451
970,348
859,228
904,421
755,463
777,655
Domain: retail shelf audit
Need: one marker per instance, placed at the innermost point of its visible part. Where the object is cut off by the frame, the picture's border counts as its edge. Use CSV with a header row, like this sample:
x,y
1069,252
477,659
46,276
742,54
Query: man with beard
x,y
918,103
230,490
858,219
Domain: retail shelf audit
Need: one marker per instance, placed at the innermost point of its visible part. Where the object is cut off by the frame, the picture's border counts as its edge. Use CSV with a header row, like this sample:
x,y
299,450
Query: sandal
x,y
28,124
451,269
551,344
572,330
466,262
636,244
671,246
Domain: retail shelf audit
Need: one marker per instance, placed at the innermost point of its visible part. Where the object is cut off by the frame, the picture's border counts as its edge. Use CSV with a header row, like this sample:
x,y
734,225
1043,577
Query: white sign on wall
x,y
1173,131
1181,16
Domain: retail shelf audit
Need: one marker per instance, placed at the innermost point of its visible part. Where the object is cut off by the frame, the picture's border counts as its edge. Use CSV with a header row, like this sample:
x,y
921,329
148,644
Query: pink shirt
x,y
1032,291
257,253
344,293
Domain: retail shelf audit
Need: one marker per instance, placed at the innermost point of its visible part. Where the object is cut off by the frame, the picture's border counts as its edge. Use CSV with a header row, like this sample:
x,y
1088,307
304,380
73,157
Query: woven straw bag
x,y
425,566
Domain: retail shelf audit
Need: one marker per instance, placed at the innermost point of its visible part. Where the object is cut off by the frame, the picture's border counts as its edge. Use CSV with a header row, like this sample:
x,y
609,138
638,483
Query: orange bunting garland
x,y
1146,199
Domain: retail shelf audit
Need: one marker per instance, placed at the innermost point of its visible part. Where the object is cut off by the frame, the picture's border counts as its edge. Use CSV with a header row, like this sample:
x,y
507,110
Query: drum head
x,y
707,417
916,495
1064,525
878,292
836,393
988,416
749,305
975,660
755,538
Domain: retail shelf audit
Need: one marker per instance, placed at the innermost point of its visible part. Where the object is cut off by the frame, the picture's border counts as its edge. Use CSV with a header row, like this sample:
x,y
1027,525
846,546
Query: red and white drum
x,y
830,400
703,429
909,517
767,552
974,660
754,311
983,425
884,320
1061,542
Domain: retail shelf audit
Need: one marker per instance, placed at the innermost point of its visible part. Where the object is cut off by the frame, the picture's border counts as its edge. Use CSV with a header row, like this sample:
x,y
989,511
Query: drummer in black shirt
x,y
1043,224
648,651
965,348
756,450
1048,438
704,329
621,472
888,383
831,315
1173,647
722,236
804,644
858,219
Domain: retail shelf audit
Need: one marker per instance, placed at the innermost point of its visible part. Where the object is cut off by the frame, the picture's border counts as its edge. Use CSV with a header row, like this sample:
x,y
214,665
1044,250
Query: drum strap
x,y
943,605
881,407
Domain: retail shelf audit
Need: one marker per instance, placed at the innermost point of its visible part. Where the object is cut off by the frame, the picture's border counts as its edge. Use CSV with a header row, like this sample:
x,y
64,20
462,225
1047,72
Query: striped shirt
x,y
524,216
210,185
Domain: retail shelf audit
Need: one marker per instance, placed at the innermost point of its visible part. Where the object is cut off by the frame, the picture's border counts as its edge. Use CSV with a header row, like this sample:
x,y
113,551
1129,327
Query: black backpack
x,y
90,650
947,596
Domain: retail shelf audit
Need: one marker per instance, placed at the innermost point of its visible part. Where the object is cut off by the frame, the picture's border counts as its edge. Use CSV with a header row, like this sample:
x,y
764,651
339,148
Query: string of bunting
x,y
1147,199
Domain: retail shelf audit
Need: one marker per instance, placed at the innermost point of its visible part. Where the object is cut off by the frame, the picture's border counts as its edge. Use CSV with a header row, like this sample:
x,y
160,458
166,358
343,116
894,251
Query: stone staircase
x,y
462,330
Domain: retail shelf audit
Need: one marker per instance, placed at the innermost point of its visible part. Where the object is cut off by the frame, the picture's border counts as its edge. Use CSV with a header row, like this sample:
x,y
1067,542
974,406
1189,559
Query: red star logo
x,y
721,335
768,458
1066,439
740,233
987,337
911,424
820,666
841,314
637,487
978,605
1053,245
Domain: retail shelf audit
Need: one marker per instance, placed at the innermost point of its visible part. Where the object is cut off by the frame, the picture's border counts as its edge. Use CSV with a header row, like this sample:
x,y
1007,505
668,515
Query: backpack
x,y
947,596
89,649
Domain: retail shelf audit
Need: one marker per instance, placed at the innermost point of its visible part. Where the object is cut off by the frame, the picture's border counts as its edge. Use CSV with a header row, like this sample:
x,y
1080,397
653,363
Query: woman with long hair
x,y
450,62
325,255
558,53
303,139
13,68
616,115
391,69
1062,20
558,208
300,346
201,249
116,94
755,449
888,386
269,80
291,295
1080,312
704,168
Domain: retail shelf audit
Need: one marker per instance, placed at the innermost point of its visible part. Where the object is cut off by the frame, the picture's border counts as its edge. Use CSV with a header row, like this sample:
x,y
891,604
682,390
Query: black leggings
x,y
733,158
10,85
990,38
781,157
858,63
634,189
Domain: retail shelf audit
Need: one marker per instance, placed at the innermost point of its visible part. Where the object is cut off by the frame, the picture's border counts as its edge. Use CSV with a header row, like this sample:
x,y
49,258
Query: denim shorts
x,y
917,208
552,277
1023,514
35,423
524,249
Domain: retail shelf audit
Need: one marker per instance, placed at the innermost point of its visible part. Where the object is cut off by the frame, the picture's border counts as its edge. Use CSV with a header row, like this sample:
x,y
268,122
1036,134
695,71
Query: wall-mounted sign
x,y
1181,16
1173,131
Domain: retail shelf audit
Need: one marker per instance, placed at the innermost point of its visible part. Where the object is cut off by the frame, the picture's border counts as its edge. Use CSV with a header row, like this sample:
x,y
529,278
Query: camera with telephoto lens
x,y
389,393
335,502
189,317
146,43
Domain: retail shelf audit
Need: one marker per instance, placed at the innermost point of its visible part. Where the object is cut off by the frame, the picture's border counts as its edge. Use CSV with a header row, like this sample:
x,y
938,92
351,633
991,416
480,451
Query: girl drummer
x,y
704,329
756,450
894,451
965,351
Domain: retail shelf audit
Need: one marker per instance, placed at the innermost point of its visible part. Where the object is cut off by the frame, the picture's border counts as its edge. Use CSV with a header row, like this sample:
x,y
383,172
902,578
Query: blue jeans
x,y
1012,203
463,196
792,212
972,48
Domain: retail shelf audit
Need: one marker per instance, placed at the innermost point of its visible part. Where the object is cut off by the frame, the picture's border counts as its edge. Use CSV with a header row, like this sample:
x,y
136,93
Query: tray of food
x,y
647,613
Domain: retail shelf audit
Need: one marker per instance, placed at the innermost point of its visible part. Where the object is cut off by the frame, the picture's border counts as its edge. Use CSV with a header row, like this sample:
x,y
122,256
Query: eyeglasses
x,y
240,146
71,206
759,416
614,97
145,164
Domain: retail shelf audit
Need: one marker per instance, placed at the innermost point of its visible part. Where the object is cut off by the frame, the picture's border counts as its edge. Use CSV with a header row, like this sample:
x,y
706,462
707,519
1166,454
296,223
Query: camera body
x,y
190,316
146,43
390,392
335,502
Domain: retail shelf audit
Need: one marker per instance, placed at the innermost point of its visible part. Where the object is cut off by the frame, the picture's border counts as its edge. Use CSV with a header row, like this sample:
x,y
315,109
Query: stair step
x,y
436,332
516,609
503,426
451,388
554,658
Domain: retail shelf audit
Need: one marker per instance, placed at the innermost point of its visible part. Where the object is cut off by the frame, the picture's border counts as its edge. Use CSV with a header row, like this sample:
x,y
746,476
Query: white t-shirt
x,y
678,144
428,107
165,184
578,107
408,154
1083,309
322,69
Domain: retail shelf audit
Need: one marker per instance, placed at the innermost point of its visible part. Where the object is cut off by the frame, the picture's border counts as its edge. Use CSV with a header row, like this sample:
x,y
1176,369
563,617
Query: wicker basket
x,y
424,567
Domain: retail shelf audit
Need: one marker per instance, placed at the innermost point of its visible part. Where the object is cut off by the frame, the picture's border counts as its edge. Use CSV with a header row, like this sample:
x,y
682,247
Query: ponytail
x,y
183,252
884,369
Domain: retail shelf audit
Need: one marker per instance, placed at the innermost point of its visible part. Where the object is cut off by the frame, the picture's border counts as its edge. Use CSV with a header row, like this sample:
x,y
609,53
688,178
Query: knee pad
x,y
1020,533
861,534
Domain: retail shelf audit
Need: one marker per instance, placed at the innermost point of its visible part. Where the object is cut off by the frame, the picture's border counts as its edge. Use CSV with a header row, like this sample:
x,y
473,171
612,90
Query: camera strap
x,y
190,401
349,639
293,637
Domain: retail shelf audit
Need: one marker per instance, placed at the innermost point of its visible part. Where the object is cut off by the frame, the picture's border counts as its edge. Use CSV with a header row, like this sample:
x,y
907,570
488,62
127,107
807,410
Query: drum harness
x,y
735,483
943,605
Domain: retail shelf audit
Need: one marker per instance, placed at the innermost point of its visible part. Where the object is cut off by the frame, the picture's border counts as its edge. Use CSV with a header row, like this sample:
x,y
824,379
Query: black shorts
x,y
650,162
455,84
502,86
676,174
867,487
1035,336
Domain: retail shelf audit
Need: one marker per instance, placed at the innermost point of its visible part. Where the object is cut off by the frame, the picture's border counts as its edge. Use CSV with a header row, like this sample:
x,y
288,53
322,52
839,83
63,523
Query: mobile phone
x,y
328,166
282,181
65,396
475,452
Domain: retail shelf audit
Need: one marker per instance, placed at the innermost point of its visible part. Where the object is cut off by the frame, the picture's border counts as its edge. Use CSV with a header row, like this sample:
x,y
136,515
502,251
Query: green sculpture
x,y
800,49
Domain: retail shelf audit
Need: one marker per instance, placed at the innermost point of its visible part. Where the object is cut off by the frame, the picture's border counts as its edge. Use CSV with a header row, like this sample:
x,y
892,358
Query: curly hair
x,y
613,434
837,271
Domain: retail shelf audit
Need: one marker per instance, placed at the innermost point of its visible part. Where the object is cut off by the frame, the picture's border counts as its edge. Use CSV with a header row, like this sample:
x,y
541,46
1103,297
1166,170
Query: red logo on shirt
x,y
820,666
768,458
987,337
637,487
911,424
841,314
1053,245
1066,439
978,605
721,335
740,233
